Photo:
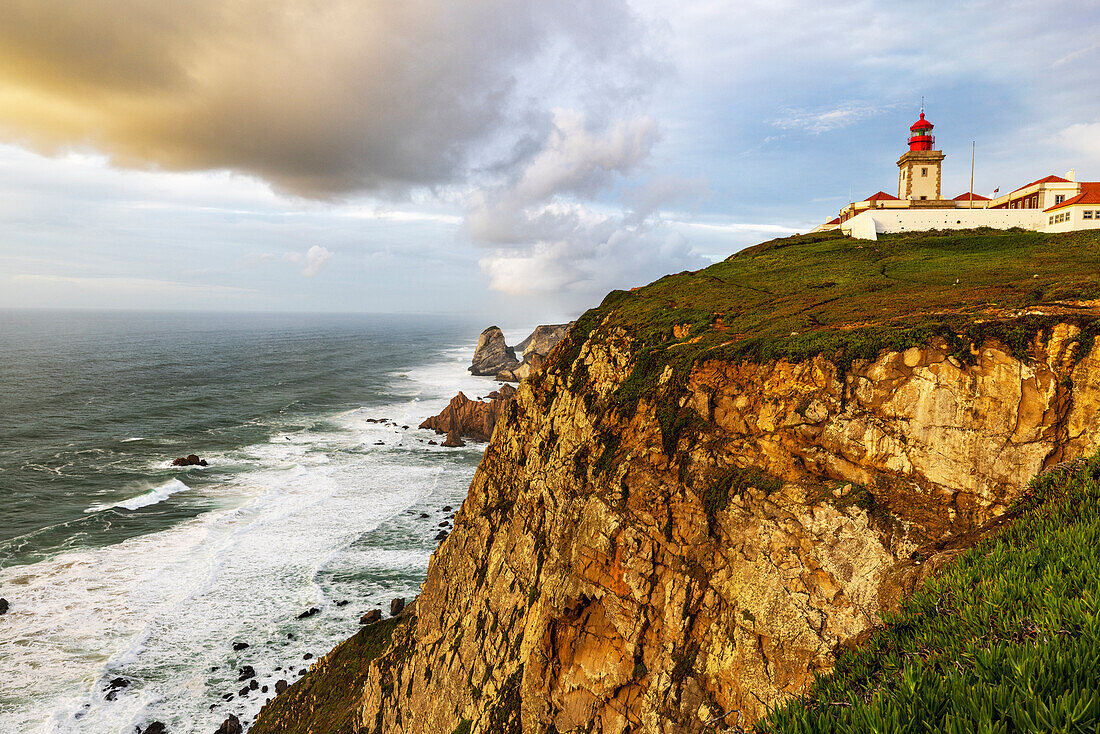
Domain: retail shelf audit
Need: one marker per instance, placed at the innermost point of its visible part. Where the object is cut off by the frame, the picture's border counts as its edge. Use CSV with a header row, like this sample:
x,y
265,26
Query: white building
x,y
1051,204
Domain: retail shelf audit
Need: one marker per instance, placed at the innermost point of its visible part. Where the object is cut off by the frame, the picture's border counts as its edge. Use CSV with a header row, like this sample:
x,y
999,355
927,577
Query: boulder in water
x,y
189,460
232,725
238,646
453,440
247,672
116,685
309,613
397,606
155,727
280,686
374,615
3,606
492,353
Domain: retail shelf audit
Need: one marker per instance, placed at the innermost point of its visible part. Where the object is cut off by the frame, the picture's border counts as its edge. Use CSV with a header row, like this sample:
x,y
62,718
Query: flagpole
x,y
973,144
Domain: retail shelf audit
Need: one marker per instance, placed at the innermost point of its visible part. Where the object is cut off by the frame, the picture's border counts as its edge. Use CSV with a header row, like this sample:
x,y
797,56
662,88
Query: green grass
x,y
326,698
1007,639
797,297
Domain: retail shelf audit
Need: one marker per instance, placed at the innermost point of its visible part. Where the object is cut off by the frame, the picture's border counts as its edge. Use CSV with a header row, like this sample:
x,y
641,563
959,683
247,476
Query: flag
x,y
996,190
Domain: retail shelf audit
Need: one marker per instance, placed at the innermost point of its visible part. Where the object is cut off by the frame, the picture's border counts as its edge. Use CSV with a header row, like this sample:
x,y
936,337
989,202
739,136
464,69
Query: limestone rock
x,y
532,362
543,339
597,575
474,419
492,353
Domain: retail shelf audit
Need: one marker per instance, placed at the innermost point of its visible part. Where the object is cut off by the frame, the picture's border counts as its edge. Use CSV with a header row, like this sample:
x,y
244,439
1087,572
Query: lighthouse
x,y
919,168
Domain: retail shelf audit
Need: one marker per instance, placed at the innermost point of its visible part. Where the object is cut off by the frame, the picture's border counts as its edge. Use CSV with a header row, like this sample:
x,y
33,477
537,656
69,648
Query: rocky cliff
x,y
721,480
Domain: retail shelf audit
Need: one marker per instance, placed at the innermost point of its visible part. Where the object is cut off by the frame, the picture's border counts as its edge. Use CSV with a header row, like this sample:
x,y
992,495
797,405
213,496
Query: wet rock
x,y
397,606
238,646
243,693
433,443
253,684
263,690
447,508
115,686
342,603
247,672
424,514
309,613
232,725
290,636
189,460
442,524
280,686
374,615
474,419
307,656
441,535
453,441
302,671
3,606
492,353
154,727
227,697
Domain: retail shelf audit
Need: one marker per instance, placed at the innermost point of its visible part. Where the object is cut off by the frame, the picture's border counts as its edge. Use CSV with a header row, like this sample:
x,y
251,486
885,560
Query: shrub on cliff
x,y
1006,640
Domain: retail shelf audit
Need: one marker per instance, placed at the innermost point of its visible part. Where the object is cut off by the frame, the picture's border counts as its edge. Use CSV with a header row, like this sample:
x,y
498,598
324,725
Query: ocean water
x,y
118,565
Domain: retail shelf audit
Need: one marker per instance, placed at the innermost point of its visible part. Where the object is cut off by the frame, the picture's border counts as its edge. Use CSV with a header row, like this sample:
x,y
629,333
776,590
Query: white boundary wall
x,y
870,224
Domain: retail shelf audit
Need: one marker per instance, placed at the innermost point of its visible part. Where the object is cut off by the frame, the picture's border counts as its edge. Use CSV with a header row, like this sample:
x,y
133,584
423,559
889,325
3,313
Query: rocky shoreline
x,y
463,418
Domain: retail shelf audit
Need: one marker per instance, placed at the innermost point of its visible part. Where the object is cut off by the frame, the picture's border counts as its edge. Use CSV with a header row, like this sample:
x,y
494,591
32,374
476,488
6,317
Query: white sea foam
x,y
152,497
287,534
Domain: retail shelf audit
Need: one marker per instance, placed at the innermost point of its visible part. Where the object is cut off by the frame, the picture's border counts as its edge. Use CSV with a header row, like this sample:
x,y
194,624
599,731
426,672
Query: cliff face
x,y
720,480
599,572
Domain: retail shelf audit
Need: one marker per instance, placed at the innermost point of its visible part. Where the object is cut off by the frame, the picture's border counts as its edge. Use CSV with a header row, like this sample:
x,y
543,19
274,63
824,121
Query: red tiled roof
x,y
882,196
833,221
1048,179
969,197
1090,194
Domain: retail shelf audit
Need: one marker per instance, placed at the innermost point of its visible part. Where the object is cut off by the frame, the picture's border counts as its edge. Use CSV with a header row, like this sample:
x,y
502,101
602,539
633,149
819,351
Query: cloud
x,y
318,97
315,259
823,120
546,229
311,261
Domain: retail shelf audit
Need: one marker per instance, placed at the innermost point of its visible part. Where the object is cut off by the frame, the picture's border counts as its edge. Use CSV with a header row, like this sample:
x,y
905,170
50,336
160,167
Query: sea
x,y
320,492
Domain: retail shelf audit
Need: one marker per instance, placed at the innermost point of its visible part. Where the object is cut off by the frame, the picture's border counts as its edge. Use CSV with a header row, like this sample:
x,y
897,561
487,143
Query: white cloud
x,y
315,259
823,120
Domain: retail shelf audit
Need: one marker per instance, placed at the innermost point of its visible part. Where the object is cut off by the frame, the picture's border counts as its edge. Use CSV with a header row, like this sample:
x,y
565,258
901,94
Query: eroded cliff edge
x,y
670,532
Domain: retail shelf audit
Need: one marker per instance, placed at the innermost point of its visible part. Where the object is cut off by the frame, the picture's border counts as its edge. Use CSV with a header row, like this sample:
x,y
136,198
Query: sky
x,y
512,160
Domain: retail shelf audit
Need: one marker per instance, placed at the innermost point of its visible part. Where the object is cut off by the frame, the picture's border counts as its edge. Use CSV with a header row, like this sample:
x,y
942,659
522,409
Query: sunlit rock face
x,y
602,576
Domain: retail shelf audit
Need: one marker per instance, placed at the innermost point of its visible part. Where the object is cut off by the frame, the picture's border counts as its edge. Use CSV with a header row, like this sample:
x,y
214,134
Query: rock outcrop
x,y
492,354
474,419
618,571
532,362
535,349
543,339
189,460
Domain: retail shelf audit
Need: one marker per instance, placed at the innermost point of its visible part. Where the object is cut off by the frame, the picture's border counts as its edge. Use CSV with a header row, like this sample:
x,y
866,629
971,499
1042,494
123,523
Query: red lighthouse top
x,y
921,138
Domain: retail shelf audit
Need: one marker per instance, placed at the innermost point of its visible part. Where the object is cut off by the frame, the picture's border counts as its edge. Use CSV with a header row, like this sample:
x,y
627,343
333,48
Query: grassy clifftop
x,y
800,296
1006,640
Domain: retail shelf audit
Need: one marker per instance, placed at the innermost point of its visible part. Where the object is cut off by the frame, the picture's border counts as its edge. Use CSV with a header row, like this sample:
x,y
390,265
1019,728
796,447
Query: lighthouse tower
x,y
919,169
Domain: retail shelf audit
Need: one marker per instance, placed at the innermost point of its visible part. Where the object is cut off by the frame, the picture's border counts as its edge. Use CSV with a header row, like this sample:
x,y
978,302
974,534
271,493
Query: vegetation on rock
x,y
1006,640
326,698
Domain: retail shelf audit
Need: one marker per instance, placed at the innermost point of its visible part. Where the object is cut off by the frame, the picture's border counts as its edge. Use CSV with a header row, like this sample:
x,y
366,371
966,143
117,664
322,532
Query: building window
x,y
1059,198
923,198
1052,219
1087,214
924,171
